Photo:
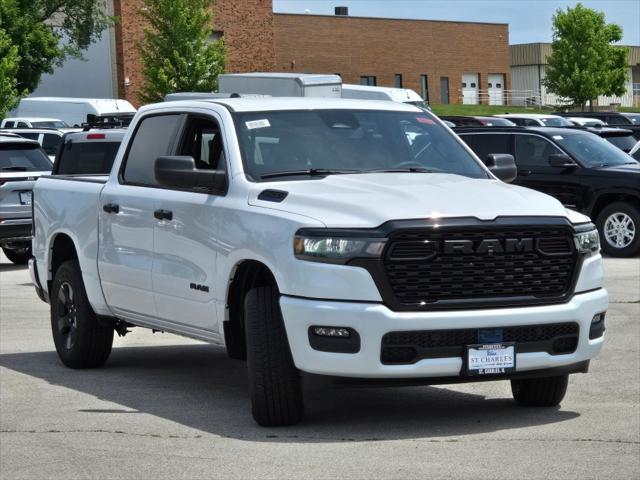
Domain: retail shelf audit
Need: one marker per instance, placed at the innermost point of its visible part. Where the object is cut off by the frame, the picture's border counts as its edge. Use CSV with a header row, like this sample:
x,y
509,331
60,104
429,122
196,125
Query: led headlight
x,y
334,249
587,242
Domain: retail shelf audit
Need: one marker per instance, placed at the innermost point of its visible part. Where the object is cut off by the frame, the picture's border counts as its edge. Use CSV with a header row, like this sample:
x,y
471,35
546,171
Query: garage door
x,y
495,86
470,88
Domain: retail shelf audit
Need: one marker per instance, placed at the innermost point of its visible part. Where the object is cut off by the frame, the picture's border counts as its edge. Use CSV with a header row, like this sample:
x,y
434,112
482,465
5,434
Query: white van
x,y
400,95
76,111
281,84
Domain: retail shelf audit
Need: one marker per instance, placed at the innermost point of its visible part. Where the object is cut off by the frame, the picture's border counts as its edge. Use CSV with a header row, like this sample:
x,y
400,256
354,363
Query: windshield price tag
x,y
253,124
491,359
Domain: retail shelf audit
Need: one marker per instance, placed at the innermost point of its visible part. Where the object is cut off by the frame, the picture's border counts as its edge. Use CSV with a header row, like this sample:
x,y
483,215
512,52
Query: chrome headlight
x,y
335,249
587,242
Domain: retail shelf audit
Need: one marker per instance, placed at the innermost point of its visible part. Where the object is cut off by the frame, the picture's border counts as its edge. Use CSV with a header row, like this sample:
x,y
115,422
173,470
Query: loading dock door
x,y
495,87
470,88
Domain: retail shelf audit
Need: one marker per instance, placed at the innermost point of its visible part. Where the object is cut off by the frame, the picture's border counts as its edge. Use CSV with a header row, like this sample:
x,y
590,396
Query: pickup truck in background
x,y
332,237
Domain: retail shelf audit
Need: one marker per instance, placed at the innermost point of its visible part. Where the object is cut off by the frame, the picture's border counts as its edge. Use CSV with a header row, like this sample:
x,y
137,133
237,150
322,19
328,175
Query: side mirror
x,y
561,160
181,172
503,166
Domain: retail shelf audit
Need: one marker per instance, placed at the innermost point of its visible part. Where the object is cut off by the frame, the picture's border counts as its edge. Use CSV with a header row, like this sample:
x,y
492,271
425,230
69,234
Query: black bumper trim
x,y
11,232
42,295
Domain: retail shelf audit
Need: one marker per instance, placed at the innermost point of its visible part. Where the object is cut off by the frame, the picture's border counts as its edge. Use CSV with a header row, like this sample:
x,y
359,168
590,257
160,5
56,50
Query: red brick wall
x,y
354,46
248,34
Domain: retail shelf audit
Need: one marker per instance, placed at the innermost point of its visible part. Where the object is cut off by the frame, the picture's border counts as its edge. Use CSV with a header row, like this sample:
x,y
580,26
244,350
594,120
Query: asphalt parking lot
x,y
167,407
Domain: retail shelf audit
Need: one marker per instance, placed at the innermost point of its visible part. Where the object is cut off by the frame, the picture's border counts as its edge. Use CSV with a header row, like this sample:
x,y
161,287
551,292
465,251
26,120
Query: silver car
x,y
22,161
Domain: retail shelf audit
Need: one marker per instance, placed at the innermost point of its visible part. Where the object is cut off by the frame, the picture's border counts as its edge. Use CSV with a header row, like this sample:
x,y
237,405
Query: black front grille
x,y
421,271
411,346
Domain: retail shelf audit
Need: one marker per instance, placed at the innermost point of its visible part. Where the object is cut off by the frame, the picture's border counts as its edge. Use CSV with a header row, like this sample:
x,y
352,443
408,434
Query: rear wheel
x,y
619,228
80,340
274,381
540,392
18,253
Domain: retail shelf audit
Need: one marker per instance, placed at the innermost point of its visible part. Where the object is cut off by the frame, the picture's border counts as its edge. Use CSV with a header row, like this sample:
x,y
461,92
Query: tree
x,y
584,64
46,32
9,61
177,51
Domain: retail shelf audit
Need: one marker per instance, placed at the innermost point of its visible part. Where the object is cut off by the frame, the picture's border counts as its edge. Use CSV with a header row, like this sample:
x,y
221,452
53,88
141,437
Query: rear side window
x,y
87,158
483,144
534,151
30,136
9,124
22,125
51,143
23,159
153,138
618,120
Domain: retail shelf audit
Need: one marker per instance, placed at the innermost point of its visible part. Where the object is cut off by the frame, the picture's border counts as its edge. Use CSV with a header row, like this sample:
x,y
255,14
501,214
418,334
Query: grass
x,y
495,109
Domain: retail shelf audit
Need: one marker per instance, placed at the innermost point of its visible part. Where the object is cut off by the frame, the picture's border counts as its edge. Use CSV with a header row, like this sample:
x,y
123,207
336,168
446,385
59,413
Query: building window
x,y
424,87
369,80
398,80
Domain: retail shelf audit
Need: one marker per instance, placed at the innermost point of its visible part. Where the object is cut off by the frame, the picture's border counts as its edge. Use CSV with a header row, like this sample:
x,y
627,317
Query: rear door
x,y
185,232
126,219
532,159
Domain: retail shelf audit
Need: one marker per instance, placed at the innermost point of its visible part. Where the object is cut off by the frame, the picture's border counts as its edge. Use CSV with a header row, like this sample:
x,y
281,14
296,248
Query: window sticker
x,y
426,120
557,137
253,124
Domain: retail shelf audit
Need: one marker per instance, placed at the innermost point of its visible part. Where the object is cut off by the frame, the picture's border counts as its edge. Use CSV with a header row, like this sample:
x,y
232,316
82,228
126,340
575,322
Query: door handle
x,y
524,173
163,214
111,208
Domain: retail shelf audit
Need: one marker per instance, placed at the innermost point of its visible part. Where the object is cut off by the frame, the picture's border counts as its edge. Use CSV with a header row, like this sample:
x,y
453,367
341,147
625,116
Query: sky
x,y
529,20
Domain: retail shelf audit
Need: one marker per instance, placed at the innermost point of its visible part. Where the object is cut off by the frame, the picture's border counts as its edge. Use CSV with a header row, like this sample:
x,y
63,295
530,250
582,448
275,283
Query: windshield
x,y
556,122
634,117
88,158
24,159
593,150
353,141
50,124
623,143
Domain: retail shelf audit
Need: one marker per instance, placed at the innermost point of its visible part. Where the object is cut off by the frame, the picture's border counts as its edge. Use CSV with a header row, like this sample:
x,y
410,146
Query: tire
x,y
540,392
274,382
609,218
19,256
80,340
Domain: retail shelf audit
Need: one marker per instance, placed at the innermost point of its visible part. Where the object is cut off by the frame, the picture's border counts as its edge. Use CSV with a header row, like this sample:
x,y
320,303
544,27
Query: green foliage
x,y
177,51
584,63
9,61
46,32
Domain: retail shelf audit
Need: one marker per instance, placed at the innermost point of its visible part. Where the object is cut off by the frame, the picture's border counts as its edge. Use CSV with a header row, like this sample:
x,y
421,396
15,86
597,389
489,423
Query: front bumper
x,y
372,321
15,230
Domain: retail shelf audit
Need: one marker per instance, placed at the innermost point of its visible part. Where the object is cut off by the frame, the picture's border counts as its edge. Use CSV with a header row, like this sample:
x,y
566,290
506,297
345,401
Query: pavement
x,y
168,407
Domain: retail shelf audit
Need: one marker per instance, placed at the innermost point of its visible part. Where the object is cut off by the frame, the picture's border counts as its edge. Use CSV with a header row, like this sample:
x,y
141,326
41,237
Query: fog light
x,y
597,326
331,332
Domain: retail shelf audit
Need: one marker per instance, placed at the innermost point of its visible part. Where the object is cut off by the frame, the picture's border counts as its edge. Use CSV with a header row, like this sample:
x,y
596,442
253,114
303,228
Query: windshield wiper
x,y
314,172
14,169
402,170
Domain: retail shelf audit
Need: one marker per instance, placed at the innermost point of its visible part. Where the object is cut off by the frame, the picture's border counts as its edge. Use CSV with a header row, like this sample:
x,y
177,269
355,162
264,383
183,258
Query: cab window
x,y
203,142
532,150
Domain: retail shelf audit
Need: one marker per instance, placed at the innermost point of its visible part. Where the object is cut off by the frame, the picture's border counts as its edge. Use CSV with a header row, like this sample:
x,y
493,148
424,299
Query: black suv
x,y
629,121
582,170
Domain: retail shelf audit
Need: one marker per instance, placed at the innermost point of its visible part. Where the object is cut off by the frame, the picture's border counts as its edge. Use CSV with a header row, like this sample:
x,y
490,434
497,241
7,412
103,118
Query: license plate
x,y
25,198
491,359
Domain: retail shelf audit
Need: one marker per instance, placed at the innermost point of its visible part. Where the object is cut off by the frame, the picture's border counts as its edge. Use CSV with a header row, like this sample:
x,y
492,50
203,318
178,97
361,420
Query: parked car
x,y
477,121
78,111
22,161
581,169
620,137
635,151
49,139
311,235
90,152
536,120
614,119
586,122
32,122
369,92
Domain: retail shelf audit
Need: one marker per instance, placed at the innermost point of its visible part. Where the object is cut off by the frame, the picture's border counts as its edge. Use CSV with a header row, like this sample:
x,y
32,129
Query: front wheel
x,y
619,228
274,381
540,392
80,340
18,254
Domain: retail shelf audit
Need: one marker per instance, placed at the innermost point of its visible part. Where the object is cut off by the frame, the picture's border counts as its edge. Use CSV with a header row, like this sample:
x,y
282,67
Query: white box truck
x,y
400,95
281,84
76,111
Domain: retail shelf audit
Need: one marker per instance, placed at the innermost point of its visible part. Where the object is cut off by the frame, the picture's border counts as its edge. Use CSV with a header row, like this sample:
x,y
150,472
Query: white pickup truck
x,y
337,237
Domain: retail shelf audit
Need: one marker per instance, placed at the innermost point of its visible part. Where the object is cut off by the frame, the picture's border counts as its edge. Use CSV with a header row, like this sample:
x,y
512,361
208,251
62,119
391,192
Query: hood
x,y
623,169
369,200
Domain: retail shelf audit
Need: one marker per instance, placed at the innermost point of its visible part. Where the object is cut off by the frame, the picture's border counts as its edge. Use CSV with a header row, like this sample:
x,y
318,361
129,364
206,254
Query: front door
x,y
532,158
444,90
185,236
126,221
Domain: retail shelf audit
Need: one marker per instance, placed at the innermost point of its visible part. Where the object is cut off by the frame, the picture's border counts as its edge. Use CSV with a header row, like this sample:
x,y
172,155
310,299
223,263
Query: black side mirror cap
x,y
561,160
181,172
502,165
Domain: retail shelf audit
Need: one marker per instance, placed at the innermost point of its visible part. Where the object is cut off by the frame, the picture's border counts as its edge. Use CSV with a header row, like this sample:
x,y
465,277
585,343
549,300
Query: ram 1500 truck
x,y
344,238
